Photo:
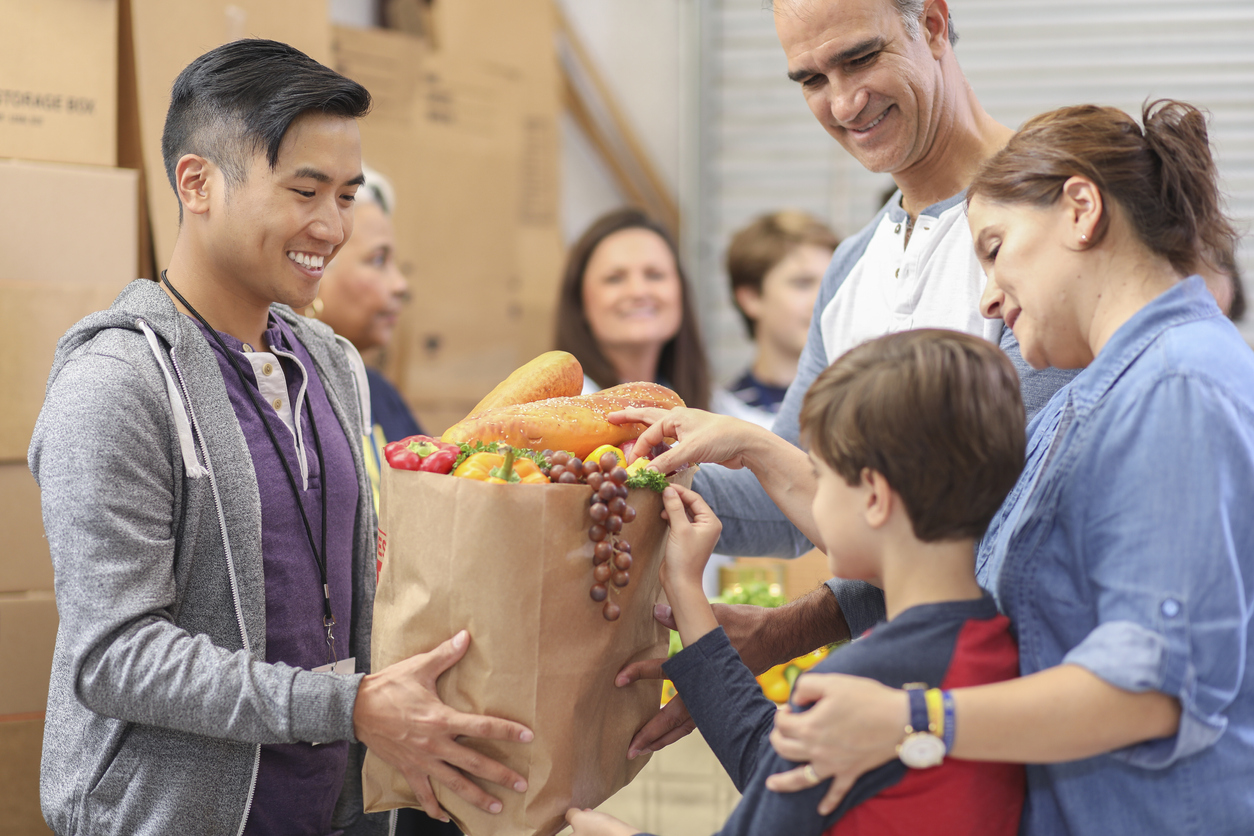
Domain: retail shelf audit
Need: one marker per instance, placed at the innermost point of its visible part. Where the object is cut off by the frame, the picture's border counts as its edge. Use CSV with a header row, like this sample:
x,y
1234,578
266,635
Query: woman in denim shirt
x,y
1125,554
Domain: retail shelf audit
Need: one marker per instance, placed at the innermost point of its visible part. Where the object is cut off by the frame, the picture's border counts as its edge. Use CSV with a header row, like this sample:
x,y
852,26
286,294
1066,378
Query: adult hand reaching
x,y
401,719
783,469
700,436
853,725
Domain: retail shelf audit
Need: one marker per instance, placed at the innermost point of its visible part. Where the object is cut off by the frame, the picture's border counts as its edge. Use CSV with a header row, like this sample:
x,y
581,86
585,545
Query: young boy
x,y
775,265
915,439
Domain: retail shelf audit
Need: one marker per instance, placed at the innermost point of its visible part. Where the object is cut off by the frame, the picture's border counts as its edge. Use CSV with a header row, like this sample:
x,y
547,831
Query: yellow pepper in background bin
x,y
778,681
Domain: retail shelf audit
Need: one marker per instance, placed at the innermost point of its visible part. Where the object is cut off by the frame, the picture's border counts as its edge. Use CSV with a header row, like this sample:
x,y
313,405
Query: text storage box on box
x,y
59,80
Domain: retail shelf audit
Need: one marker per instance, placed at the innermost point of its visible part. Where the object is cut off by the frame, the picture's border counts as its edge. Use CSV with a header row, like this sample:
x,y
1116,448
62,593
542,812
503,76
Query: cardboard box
x,y
67,247
167,35
58,80
25,563
28,633
796,577
21,744
475,172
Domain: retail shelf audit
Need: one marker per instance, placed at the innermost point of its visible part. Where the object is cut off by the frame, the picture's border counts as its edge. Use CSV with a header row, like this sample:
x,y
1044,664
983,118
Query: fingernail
x,y
459,641
526,736
494,807
631,756
521,786
661,611
620,681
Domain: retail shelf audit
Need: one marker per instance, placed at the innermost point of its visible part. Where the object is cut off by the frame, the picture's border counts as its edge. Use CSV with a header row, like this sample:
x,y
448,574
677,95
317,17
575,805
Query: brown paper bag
x,y
513,564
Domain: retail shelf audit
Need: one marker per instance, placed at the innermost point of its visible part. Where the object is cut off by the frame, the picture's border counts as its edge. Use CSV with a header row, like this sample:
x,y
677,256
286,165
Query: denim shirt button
x,y
1171,608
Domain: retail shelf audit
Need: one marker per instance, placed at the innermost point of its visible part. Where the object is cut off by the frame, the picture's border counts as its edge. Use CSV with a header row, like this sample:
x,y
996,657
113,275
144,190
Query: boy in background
x,y
915,439
775,265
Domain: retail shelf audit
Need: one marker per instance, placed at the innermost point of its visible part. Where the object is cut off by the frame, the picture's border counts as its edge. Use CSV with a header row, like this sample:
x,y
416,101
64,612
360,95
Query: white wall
x,y
645,52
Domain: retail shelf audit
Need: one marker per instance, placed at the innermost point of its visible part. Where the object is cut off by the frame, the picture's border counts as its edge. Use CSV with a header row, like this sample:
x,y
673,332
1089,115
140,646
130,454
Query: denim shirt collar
x,y
1189,300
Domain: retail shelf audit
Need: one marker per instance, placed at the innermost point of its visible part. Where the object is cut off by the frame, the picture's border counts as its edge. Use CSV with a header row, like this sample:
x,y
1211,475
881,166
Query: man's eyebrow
x,y
856,51
311,173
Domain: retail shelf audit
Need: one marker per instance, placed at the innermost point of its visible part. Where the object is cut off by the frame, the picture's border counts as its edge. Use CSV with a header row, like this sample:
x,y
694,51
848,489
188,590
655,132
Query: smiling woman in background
x,y
625,309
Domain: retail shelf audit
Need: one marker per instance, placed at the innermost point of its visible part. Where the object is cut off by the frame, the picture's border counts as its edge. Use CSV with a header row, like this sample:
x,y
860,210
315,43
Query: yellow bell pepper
x,y
595,455
639,464
774,685
500,469
810,659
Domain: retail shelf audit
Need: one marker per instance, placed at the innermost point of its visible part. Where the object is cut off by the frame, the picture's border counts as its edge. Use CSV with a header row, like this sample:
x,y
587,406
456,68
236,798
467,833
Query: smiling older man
x,y
882,79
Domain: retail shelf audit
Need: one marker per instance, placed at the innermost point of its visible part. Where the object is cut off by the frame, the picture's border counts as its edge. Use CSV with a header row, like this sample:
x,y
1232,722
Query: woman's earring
x,y
1084,239
316,306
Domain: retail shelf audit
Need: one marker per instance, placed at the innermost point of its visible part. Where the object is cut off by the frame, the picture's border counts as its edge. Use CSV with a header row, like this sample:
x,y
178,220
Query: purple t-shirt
x,y
298,783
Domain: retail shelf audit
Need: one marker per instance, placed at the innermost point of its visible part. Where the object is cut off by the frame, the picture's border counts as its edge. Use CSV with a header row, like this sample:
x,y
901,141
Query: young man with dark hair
x,y
207,509
915,439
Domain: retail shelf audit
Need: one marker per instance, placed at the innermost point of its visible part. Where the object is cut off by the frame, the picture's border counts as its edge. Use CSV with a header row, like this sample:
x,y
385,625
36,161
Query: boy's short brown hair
x,y
767,241
938,413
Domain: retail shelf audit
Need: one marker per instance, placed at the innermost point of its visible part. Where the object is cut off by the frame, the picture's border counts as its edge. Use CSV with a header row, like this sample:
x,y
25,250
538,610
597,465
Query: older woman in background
x,y
360,297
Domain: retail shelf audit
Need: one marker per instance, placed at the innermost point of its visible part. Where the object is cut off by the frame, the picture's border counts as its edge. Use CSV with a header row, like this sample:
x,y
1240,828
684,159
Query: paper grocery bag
x,y
513,565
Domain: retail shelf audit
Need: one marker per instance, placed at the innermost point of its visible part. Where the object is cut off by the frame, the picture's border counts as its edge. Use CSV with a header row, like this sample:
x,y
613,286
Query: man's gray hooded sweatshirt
x,y
160,694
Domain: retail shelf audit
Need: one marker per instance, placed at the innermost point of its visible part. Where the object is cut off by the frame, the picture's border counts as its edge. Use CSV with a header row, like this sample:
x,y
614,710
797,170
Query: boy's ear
x,y
749,300
879,498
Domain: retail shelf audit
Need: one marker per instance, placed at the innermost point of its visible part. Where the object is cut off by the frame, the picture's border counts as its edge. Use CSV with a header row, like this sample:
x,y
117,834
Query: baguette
x,y
575,424
554,374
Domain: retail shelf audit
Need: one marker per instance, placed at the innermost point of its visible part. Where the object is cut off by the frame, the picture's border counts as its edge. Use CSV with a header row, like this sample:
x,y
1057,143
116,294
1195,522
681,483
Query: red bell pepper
x,y
422,452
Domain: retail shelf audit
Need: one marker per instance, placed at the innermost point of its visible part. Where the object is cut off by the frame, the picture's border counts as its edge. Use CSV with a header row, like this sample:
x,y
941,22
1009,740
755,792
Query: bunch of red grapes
x,y
611,554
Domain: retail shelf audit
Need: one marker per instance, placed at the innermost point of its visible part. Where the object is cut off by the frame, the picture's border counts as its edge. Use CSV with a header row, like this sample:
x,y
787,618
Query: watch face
x,y
921,750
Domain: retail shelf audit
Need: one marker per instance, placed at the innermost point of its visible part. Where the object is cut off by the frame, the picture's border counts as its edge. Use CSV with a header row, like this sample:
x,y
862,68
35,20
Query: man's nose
x,y
848,101
329,225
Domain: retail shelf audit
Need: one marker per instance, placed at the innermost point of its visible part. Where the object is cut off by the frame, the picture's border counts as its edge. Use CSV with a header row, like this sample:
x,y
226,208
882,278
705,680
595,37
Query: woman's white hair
x,y
377,190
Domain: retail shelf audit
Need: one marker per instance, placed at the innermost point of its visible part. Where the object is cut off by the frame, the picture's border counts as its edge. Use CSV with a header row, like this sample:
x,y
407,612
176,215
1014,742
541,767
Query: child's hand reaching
x,y
693,534
592,823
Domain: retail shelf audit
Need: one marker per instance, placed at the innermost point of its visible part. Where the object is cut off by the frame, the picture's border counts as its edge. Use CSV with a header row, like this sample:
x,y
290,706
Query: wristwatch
x,y
921,748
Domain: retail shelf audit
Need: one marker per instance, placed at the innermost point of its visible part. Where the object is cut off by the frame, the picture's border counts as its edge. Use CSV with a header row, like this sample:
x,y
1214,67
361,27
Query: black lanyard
x,y
319,555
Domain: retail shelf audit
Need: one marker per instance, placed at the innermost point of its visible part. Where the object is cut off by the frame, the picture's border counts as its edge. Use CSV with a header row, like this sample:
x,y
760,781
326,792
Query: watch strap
x,y
917,695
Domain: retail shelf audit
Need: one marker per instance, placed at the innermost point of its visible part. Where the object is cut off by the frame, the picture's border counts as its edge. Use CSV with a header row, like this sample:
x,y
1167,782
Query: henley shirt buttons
x,y
897,228
1171,608
266,369
246,348
278,403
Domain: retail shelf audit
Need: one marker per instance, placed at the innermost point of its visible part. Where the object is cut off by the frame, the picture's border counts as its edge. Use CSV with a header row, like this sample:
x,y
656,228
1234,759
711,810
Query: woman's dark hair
x,y
1162,177
682,364
240,99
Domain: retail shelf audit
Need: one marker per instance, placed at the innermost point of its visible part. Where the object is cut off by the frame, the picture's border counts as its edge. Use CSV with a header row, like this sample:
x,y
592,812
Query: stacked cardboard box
x,y
68,233
467,131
